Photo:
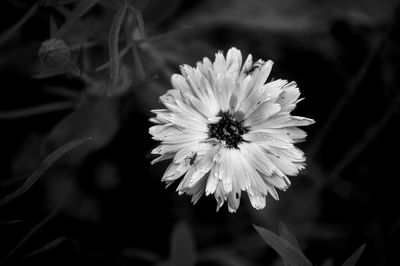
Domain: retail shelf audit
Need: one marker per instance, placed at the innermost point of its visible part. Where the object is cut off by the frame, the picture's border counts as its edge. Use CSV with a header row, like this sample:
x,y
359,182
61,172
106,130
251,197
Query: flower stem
x,y
8,33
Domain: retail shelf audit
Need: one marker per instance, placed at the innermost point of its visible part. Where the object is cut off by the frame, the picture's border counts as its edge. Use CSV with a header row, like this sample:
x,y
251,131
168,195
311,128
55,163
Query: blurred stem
x,y
37,110
390,240
30,233
62,91
140,21
113,42
62,10
157,56
10,222
147,40
71,17
8,33
315,146
164,36
12,181
353,153
370,135
83,45
141,254
138,63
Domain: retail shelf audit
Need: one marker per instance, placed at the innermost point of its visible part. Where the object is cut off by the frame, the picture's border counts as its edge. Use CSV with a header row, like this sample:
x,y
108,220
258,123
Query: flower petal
x,y
257,201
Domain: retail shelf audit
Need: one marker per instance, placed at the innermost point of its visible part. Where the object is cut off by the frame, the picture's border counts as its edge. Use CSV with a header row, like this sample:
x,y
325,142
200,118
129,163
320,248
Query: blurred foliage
x,y
94,68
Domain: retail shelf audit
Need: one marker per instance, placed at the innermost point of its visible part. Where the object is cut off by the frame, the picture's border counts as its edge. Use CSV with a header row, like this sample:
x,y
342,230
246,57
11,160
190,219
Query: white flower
x,y
229,131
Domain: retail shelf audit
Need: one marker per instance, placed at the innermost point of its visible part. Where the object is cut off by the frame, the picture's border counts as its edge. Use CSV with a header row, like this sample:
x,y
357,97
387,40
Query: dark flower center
x,y
227,129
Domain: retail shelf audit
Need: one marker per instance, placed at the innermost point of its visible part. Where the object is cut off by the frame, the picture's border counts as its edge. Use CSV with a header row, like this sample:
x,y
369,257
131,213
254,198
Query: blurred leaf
x,y
69,68
30,233
142,42
363,12
272,15
36,110
43,166
98,87
352,260
62,91
182,247
281,16
113,47
328,262
55,3
142,254
8,33
77,204
291,255
97,118
158,10
223,257
138,63
287,235
82,7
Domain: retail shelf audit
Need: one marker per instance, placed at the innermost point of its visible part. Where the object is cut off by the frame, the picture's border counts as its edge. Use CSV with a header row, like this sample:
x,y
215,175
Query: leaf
x,y
30,233
182,246
352,260
113,47
79,11
287,235
291,255
41,169
36,110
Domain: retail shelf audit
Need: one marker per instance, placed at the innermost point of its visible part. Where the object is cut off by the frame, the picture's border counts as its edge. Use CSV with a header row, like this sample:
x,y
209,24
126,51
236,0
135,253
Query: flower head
x,y
227,131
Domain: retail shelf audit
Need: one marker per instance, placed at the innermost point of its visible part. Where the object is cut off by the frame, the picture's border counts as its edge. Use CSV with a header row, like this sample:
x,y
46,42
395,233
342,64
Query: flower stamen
x,y
227,130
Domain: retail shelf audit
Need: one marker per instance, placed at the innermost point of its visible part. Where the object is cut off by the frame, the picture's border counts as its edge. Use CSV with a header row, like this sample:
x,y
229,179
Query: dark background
x,y
106,203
